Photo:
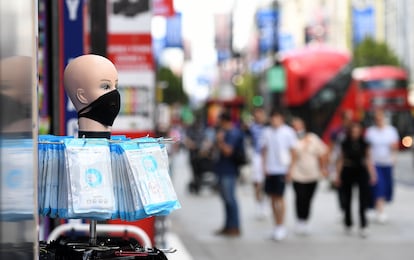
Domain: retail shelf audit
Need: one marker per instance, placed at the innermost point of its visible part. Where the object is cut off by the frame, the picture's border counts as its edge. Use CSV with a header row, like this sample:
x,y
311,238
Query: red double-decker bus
x,y
385,87
321,83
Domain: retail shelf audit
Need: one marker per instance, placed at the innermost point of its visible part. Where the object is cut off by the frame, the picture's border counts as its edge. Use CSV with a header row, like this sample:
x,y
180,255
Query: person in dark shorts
x,y
278,150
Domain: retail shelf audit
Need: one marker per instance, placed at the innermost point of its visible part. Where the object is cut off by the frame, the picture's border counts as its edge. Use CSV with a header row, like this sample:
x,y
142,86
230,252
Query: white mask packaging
x,y
90,184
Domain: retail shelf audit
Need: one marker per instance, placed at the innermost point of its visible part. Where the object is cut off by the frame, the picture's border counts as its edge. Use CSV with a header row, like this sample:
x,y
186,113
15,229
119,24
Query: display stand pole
x,y
92,233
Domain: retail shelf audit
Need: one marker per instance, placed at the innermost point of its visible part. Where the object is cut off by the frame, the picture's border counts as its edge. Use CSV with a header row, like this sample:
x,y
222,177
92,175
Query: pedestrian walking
x,y
278,155
337,136
255,131
228,139
384,140
355,168
310,165
199,144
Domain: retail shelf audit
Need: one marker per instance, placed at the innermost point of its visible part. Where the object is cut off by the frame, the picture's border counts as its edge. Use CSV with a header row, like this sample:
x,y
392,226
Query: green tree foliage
x,y
247,87
370,52
173,91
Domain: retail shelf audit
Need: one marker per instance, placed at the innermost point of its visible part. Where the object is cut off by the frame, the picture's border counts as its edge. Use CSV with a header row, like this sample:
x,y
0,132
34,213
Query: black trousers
x,y
350,177
303,198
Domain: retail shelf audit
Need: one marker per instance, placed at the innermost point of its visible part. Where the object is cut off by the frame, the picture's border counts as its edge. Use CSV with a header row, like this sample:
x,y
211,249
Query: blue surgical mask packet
x,y
89,177
62,196
118,170
50,173
148,170
176,204
132,208
114,150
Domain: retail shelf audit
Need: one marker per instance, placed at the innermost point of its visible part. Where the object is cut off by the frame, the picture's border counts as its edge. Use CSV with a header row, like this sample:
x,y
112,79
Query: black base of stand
x,y
106,248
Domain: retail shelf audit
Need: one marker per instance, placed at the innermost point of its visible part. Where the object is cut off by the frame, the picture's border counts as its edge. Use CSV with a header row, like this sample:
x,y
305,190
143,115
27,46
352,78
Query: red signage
x,y
131,51
163,7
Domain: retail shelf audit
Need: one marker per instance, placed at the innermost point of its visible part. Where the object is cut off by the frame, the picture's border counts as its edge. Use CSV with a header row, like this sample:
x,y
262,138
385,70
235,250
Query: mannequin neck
x,y
89,125
93,134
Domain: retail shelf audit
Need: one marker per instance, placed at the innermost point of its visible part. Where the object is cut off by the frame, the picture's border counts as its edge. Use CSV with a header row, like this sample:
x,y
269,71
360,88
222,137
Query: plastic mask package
x,y
148,170
89,176
117,169
51,176
16,179
128,202
129,206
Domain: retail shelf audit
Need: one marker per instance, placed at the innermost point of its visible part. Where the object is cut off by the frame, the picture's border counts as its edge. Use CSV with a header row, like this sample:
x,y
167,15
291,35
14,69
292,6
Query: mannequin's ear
x,y
80,95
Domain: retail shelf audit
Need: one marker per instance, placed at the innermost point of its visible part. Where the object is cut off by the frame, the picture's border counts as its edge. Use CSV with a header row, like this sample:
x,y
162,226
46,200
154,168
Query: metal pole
x,y
92,233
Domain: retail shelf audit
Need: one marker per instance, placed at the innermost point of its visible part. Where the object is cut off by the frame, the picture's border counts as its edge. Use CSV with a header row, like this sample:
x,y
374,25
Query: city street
x,y
192,227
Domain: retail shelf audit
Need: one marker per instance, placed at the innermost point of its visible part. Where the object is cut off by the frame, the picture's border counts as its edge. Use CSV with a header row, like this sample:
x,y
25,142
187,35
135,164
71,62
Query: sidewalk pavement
x,y
192,226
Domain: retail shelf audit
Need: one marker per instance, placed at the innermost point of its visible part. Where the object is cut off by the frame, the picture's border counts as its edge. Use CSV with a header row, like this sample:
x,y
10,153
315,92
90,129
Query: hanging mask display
x,y
104,109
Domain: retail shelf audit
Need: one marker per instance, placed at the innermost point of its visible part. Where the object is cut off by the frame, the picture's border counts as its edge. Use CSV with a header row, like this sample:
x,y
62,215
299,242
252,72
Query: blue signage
x,y
158,45
267,23
363,23
286,42
72,46
173,36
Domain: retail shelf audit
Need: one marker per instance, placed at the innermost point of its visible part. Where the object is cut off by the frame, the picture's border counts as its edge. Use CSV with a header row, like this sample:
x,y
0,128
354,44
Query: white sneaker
x,y
306,229
302,228
363,232
382,218
279,233
348,231
371,216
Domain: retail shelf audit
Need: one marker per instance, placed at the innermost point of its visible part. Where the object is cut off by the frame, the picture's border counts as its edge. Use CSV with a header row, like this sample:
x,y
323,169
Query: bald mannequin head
x,y
87,78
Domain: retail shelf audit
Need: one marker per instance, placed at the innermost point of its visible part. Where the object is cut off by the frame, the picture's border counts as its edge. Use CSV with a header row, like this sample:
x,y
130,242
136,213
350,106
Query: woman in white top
x,y
384,141
309,166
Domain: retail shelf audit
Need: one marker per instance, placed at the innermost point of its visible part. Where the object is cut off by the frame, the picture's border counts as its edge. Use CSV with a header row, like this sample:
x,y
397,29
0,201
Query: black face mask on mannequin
x,y
104,109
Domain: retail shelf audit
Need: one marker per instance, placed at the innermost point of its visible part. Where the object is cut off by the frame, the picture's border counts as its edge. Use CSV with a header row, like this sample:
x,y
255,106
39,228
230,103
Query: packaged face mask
x,y
115,178
51,176
128,199
90,185
148,170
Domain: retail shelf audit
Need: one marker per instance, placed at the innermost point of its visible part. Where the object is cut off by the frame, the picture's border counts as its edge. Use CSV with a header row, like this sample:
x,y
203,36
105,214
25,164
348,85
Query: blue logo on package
x,y
93,177
150,165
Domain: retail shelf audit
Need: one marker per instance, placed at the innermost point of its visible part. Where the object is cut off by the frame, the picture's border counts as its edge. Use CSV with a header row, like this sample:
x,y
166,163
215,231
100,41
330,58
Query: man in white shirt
x,y
278,142
384,140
